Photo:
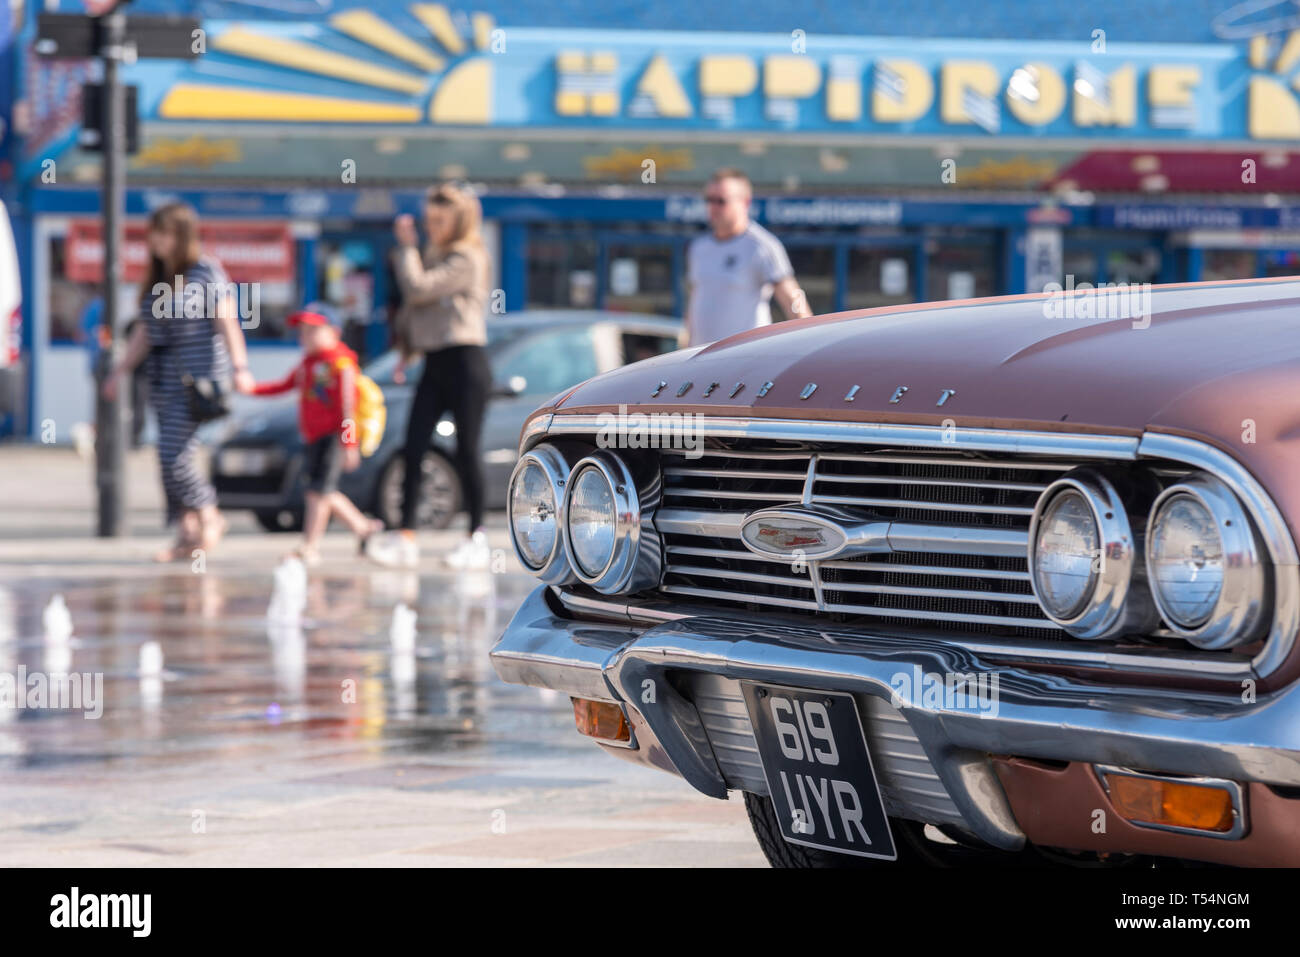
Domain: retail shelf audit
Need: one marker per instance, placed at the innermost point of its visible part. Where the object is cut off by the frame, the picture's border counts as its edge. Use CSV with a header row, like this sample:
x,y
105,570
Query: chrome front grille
x,y
908,782
981,585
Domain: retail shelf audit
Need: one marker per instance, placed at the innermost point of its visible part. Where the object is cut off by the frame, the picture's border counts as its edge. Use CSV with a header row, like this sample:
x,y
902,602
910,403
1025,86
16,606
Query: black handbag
x,y
208,398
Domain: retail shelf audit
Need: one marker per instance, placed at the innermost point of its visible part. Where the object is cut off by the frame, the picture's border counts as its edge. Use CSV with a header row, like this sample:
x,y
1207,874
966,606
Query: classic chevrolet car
x,y
945,583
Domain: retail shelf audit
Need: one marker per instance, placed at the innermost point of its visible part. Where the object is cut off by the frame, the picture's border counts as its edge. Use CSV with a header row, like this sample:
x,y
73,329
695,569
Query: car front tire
x,y
914,849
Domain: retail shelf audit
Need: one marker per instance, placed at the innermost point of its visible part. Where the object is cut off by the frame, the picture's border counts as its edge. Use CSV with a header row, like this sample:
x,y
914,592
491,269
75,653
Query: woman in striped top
x,y
203,339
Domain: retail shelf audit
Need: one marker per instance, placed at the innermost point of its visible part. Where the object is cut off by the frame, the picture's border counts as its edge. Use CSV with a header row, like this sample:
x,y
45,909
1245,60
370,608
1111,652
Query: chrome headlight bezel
x,y
618,571
555,570
1119,602
1239,612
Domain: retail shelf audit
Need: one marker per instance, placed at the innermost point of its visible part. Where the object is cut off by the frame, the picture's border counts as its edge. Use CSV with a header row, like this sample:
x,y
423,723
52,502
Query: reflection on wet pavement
x,y
331,736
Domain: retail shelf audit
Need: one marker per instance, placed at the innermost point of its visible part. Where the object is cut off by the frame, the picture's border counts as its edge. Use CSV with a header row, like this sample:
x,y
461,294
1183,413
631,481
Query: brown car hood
x,y
1208,347
1218,361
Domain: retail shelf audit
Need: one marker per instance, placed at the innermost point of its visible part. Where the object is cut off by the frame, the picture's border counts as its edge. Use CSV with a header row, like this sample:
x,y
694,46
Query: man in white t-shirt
x,y
733,272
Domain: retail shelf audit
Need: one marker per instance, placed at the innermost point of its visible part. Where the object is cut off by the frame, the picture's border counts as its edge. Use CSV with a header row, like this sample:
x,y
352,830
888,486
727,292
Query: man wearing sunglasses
x,y
735,270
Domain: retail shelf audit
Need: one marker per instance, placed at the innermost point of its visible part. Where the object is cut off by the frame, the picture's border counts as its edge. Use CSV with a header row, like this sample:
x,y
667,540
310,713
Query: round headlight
x,y
1082,554
593,521
1186,561
608,547
534,515
536,529
1204,564
1065,550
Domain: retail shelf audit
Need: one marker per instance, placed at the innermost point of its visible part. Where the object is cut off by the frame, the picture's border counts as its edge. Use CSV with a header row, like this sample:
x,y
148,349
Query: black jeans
x,y
456,380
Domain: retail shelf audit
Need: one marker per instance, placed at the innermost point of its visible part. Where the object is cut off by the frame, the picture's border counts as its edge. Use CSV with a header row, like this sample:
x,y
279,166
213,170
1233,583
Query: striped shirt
x,y
180,322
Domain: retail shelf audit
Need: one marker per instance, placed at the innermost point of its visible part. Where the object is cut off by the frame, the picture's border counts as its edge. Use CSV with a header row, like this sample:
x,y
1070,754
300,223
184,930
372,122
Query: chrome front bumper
x,y
1038,715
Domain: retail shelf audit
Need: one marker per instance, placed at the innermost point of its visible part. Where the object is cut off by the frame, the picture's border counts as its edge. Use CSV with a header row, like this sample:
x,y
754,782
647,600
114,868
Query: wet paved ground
x,y
315,741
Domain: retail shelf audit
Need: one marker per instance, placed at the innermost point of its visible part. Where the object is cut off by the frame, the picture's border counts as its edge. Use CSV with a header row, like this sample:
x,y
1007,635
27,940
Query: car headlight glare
x,y
1066,552
1205,565
1186,560
612,545
593,521
536,527
534,515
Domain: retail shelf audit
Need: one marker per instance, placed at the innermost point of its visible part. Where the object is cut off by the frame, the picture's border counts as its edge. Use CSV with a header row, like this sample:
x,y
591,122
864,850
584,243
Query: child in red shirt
x,y
326,380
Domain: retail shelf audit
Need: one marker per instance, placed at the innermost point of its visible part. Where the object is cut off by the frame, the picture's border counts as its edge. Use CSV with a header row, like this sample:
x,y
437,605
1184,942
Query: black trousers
x,y
456,380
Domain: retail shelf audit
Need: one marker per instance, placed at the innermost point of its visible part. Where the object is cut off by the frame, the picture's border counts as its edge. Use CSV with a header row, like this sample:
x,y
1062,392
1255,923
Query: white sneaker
x,y
393,549
473,553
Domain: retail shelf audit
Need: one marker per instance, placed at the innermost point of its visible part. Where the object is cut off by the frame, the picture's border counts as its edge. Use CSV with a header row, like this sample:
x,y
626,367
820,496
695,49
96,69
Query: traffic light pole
x,y
110,445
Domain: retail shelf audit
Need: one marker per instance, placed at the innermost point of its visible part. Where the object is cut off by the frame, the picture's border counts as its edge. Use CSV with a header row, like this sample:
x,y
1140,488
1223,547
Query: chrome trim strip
x,y
1268,522
1239,824
858,566
956,539
903,536
916,503
652,612
535,431
793,582
860,433
685,521
908,614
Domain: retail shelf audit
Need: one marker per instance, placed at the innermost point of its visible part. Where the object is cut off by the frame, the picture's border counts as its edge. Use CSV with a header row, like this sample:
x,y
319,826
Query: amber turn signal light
x,y
1199,807
600,719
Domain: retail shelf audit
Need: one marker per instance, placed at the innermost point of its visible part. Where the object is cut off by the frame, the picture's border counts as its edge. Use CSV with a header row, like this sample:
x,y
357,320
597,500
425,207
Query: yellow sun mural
x,y
461,93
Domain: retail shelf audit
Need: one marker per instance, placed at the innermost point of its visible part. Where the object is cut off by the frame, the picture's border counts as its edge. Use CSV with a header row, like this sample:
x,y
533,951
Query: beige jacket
x,y
444,299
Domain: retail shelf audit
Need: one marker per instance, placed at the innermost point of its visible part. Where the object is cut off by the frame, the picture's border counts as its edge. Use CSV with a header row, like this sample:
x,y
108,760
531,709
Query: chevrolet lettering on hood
x,y
936,583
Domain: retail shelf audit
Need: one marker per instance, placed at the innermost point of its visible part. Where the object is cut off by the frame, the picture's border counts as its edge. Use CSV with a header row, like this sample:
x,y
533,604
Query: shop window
x,y
1133,265
345,271
881,276
964,271
814,269
1080,263
76,308
1220,264
640,278
1282,262
561,270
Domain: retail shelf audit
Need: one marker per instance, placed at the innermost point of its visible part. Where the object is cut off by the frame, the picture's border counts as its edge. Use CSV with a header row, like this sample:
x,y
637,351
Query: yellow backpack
x,y
370,411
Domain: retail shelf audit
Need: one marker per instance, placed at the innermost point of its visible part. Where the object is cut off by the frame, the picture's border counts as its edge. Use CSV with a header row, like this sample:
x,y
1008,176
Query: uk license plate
x,y
819,771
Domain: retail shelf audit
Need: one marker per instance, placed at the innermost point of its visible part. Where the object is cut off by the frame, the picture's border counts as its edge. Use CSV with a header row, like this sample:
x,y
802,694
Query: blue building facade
x,y
903,152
